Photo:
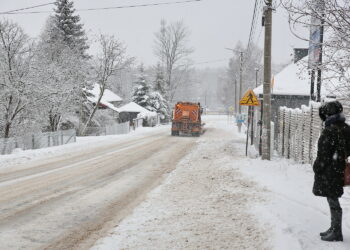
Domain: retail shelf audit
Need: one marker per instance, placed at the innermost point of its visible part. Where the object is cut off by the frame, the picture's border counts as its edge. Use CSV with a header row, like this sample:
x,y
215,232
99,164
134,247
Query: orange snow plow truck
x,y
187,119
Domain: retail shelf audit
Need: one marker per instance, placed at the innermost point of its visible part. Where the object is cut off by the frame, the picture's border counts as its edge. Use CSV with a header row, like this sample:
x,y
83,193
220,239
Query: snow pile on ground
x,y
203,204
296,215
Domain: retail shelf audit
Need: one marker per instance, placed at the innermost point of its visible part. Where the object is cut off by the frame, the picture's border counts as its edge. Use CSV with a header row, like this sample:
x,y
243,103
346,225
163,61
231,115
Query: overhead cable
x,y
106,8
26,8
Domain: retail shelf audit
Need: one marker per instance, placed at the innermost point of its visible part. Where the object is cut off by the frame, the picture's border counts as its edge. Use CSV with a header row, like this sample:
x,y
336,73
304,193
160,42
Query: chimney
x,y
299,54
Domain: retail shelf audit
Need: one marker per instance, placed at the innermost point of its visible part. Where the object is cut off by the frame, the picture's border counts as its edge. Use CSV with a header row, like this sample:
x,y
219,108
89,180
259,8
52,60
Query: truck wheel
x,y
175,133
196,134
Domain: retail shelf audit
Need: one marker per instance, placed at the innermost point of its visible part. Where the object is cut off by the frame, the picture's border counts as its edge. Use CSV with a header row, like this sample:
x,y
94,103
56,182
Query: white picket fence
x,y
115,129
299,130
37,140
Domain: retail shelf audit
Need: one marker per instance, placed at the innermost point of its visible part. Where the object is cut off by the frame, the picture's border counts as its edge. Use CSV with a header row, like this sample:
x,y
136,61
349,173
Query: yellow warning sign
x,y
249,99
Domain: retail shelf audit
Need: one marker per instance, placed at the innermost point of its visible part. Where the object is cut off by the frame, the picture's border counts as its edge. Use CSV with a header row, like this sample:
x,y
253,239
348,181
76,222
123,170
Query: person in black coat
x,y
330,164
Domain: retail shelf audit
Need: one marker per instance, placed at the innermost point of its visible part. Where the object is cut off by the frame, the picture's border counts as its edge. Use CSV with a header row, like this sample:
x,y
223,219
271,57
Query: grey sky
x,y
214,25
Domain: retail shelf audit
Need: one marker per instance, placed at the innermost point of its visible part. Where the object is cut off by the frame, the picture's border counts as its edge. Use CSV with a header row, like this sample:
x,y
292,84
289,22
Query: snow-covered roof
x,y
135,108
295,80
107,99
290,81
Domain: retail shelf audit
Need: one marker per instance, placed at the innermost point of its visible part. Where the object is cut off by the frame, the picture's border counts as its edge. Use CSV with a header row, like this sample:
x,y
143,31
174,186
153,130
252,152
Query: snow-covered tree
x,y
158,104
171,47
141,93
15,60
67,27
335,18
157,101
111,60
60,74
159,83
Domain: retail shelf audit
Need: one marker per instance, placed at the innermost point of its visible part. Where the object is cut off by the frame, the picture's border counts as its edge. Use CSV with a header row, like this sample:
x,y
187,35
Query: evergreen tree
x,y
159,104
141,93
159,84
157,101
68,27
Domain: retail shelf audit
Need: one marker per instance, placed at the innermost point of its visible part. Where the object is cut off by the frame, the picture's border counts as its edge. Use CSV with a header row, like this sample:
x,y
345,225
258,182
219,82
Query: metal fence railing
x,y
115,129
37,140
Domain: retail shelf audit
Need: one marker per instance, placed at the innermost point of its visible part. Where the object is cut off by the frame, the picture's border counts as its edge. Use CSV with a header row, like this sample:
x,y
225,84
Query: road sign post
x,y
249,99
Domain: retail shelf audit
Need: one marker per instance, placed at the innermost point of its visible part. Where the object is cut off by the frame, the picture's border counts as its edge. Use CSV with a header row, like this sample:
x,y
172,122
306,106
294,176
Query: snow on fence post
x,y
287,133
281,117
299,136
306,134
316,128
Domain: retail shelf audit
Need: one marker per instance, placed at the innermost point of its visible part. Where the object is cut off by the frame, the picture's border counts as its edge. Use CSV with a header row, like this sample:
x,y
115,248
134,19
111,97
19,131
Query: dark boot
x,y
326,232
335,233
332,222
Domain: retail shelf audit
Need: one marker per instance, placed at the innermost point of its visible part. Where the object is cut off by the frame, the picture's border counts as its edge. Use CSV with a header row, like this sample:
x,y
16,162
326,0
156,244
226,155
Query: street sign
x,y
249,99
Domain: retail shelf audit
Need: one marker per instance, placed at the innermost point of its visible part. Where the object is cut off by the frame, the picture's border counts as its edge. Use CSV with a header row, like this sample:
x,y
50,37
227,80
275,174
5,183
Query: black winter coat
x,y
330,162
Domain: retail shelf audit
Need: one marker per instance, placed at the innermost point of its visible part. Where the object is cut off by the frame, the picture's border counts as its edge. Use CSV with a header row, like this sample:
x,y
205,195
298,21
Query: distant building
x,y
109,99
107,107
291,89
132,110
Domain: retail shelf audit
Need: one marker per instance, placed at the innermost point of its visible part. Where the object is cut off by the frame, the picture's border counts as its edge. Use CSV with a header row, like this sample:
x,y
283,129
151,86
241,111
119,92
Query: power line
x,y
256,16
212,61
27,8
16,12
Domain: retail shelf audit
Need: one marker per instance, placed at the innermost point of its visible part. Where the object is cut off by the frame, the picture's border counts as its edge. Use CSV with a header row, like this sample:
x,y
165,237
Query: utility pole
x,y
266,136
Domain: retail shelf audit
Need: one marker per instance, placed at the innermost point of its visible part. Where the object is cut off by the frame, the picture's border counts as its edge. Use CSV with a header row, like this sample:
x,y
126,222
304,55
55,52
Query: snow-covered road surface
x,y
204,203
69,200
217,198
148,190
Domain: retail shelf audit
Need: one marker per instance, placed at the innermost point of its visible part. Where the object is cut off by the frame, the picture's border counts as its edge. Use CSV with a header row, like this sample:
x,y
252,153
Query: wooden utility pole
x,y
266,135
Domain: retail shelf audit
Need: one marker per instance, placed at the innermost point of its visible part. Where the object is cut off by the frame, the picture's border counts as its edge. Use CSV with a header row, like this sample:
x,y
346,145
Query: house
x,y
107,109
291,89
109,99
132,110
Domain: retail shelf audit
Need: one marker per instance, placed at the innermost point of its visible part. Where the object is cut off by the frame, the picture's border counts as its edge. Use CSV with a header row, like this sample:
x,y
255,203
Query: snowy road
x,y
70,200
205,203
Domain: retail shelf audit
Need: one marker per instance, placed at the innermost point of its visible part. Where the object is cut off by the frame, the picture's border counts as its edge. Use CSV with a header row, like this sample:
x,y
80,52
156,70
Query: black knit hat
x,y
329,109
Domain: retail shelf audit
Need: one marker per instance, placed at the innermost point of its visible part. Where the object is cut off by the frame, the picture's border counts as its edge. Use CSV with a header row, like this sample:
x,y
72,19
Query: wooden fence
x,y
299,130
